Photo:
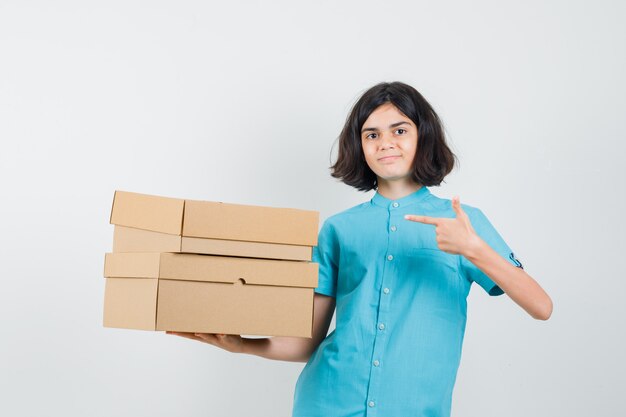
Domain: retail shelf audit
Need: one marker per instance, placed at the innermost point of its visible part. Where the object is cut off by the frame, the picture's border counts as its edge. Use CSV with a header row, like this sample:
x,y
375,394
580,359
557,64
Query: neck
x,y
394,190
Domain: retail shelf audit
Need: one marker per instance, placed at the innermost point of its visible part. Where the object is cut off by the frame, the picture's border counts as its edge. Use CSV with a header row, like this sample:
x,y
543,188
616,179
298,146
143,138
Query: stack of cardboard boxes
x,y
210,267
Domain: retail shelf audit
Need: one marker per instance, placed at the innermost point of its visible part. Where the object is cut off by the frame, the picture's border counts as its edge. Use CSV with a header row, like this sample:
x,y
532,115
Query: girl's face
x,y
389,141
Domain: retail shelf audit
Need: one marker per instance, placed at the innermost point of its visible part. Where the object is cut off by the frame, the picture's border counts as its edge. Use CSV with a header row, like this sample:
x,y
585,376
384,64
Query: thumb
x,y
456,205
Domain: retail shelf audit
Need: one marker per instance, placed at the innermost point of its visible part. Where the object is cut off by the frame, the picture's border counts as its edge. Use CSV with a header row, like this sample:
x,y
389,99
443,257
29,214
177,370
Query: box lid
x,y
209,268
148,212
251,223
215,220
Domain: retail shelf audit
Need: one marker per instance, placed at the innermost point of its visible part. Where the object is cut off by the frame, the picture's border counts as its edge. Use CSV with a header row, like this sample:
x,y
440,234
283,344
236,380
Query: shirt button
x,y
386,290
389,257
393,228
381,326
376,363
371,403
395,204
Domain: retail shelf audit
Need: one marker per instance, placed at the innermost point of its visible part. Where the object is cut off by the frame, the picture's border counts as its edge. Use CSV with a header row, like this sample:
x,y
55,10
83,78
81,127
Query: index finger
x,y
422,219
186,335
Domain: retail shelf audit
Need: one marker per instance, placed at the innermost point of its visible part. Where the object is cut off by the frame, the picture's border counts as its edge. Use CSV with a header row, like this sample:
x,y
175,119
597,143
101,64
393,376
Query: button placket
x,y
384,299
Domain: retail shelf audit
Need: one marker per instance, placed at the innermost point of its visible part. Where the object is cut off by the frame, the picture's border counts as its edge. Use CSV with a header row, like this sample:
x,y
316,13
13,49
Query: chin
x,y
394,178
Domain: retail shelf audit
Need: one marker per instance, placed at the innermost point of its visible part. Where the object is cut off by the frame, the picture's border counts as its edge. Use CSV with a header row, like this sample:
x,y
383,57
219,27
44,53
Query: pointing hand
x,y
454,235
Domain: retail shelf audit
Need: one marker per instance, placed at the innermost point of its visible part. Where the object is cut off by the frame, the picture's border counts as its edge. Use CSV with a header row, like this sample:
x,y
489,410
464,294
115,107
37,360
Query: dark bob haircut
x,y
433,159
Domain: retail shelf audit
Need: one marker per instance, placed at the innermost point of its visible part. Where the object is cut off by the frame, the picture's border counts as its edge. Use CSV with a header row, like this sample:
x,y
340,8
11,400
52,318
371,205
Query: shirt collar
x,y
408,200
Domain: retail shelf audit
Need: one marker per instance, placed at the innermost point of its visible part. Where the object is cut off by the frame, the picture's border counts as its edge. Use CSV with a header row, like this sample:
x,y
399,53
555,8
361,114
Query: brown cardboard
x,y
248,249
211,294
252,223
215,220
130,303
128,239
148,212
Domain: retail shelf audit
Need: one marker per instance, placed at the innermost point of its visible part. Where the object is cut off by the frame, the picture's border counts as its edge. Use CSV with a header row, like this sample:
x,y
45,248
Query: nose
x,y
386,141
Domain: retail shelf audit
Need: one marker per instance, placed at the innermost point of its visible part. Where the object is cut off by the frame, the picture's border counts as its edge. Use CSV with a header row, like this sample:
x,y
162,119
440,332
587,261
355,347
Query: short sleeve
x,y
490,235
326,254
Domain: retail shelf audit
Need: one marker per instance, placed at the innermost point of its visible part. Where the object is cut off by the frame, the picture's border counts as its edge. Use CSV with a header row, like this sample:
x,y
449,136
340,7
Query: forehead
x,y
384,113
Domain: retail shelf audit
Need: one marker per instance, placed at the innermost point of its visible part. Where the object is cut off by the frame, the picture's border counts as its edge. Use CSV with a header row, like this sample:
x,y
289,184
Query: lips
x,y
389,158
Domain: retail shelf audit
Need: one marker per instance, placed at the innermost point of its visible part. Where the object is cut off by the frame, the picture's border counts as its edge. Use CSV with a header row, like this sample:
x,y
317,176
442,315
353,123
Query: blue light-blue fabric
x,y
400,321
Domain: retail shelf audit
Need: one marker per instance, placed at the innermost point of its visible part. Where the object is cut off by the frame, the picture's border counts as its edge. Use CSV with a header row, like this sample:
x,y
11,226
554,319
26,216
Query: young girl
x,y
398,268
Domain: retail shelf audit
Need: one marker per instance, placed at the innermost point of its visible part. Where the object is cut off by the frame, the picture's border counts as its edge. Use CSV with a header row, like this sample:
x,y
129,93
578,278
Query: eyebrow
x,y
373,129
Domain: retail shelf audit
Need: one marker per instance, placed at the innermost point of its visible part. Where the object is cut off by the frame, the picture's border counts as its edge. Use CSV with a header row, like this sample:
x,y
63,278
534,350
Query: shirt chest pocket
x,y
433,262
435,274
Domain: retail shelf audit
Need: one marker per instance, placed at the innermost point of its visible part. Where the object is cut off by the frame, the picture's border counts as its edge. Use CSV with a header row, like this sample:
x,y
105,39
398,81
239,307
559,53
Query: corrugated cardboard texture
x,y
129,239
247,249
150,285
234,309
230,269
130,303
148,212
135,265
182,266
214,307
215,220
252,223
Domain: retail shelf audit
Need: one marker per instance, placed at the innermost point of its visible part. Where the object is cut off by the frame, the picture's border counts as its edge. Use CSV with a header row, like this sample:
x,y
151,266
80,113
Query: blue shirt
x,y
401,310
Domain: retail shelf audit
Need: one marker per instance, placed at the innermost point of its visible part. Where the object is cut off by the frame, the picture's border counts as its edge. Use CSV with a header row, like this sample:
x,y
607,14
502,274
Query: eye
x,y
401,130
368,136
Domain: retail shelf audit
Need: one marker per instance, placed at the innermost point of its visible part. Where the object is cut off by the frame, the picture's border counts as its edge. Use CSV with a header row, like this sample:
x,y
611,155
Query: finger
x,y
422,219
207,337
456,205
186,335
179,333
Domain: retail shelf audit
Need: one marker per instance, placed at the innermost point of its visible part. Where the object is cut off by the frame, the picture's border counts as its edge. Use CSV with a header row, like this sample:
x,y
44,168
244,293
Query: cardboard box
x,y
178,225
128,239
209,294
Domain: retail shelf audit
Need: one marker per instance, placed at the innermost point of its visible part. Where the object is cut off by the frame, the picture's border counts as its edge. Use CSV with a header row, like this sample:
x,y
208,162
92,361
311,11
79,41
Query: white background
x,y
241,103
